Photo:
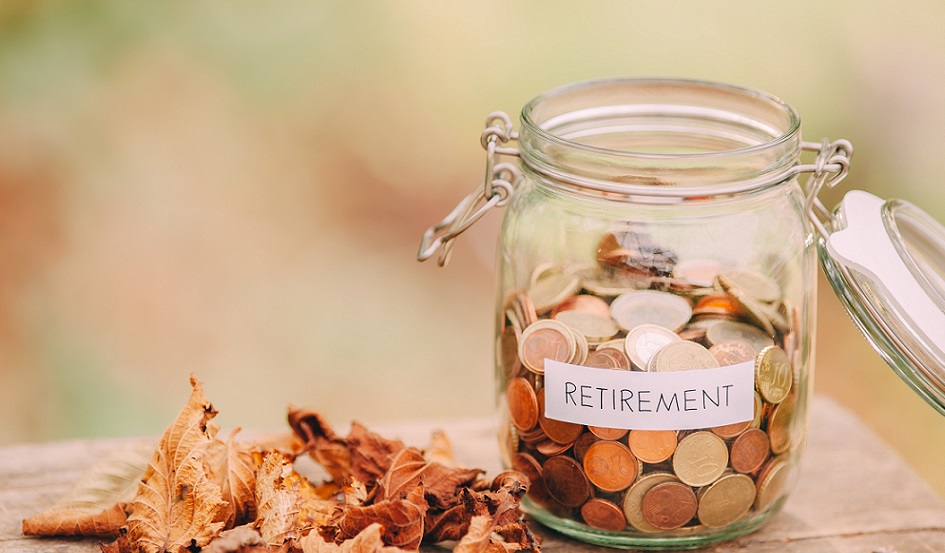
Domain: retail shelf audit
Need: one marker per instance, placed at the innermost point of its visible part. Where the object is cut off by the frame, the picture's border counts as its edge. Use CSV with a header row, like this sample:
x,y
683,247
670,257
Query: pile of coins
x,y
640,309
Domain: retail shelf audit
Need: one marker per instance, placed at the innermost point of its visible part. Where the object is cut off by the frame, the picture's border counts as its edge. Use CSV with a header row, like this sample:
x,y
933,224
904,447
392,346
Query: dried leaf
x,y
440,450
233,469
320,440
177,502
367,541
287,504
441,484
371,454
120,545
402,519
96,504
242,539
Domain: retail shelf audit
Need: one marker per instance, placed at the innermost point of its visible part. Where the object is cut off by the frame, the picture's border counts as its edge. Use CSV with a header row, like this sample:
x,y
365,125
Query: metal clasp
x,y
498,184
830,167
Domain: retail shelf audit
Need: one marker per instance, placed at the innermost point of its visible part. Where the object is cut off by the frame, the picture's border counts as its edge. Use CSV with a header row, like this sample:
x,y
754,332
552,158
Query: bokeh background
x,y
238,190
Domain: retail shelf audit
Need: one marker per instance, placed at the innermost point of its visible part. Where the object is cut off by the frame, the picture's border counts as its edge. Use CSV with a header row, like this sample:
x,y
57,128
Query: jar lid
x,y
886,262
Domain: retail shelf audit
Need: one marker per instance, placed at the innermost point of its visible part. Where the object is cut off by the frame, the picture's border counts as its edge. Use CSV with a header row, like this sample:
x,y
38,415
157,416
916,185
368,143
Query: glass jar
x,y
655,305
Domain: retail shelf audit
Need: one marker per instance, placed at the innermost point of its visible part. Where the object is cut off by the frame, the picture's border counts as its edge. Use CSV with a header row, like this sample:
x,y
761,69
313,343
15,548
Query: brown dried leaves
x,y
201,493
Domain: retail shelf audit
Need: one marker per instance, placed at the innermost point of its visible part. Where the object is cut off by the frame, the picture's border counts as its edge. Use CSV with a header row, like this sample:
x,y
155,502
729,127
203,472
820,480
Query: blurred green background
x,y
238,189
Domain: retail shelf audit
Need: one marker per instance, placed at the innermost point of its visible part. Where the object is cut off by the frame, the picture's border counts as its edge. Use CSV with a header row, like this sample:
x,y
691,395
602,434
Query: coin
x,y
610,466
551,288
633,500
523,403
773,482
607,433
633,309
731,330
652,446
508,351
546,339
779,425
594,327
644,341
732,352
716,304
726,501
755,312
581,444
603,515
773,374
550,448
681,356
559,431
531,468
566,481
700,272
580,348
669,505
750,450
751,283
585,303
524,309
700,458
608,358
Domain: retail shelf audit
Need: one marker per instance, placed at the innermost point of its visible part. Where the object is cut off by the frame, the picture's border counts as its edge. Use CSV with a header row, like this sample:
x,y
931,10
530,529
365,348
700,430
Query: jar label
x,y
682,400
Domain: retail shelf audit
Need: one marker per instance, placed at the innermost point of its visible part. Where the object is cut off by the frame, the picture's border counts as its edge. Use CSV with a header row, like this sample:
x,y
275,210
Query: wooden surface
x,y
854,494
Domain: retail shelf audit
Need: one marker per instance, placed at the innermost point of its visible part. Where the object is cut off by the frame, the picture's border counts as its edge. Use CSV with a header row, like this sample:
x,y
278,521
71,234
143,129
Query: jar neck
x,y
660,139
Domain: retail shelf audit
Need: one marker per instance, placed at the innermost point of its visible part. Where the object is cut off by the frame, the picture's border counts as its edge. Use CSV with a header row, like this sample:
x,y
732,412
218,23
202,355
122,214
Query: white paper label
x,y
682,400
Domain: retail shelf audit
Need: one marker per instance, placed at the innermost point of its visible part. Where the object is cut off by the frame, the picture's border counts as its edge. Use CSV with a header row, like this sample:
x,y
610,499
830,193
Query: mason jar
x,y
655,305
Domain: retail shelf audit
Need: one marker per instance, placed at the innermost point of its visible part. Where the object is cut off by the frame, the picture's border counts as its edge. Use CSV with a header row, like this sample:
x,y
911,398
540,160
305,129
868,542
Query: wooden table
x,y
854,493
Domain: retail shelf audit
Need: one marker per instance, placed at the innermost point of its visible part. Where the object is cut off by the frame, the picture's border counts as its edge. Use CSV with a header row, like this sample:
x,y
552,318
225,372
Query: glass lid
x,y
886,262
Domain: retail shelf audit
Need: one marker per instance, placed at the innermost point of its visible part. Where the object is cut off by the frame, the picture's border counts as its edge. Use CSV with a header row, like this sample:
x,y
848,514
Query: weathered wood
x,y
854,494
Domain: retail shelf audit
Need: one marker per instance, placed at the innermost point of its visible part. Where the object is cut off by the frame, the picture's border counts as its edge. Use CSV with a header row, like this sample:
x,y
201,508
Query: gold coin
x,y
644,341
580,348
651,307
551,288
773,482
752,284
732,330
546,339
681,356
779,425
773,374
700,458
726,501
594,327
633,500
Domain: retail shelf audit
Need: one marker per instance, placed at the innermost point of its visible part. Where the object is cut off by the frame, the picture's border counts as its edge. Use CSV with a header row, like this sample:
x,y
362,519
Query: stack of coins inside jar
x,y
639,308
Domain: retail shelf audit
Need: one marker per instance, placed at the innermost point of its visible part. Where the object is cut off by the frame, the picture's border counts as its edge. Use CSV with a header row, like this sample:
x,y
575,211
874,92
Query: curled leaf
x,y
408,469
288,506
440,450
371,454
233,468
367,541
96,504
323,444
402,519
177,502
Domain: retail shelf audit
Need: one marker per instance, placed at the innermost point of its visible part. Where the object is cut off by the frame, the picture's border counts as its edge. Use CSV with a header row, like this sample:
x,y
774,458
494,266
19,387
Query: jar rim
x,y
766,157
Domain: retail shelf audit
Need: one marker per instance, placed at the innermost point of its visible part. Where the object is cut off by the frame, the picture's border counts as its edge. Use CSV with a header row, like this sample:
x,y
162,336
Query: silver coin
x,y
650,307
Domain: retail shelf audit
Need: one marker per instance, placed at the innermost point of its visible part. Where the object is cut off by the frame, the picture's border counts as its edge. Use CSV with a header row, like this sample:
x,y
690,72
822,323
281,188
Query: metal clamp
x,y
830,167
498,184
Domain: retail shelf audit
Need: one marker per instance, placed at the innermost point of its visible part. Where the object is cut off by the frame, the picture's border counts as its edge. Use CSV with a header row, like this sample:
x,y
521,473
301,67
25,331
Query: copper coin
x,y
610,466
750,451
524,309
508,351
779,425
546,339
669,505
652,446
732,352
531,468
533,436
603,515
581,444
523,403
716,304
566,481
608,358
586,303
607,433
559,431
550,448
